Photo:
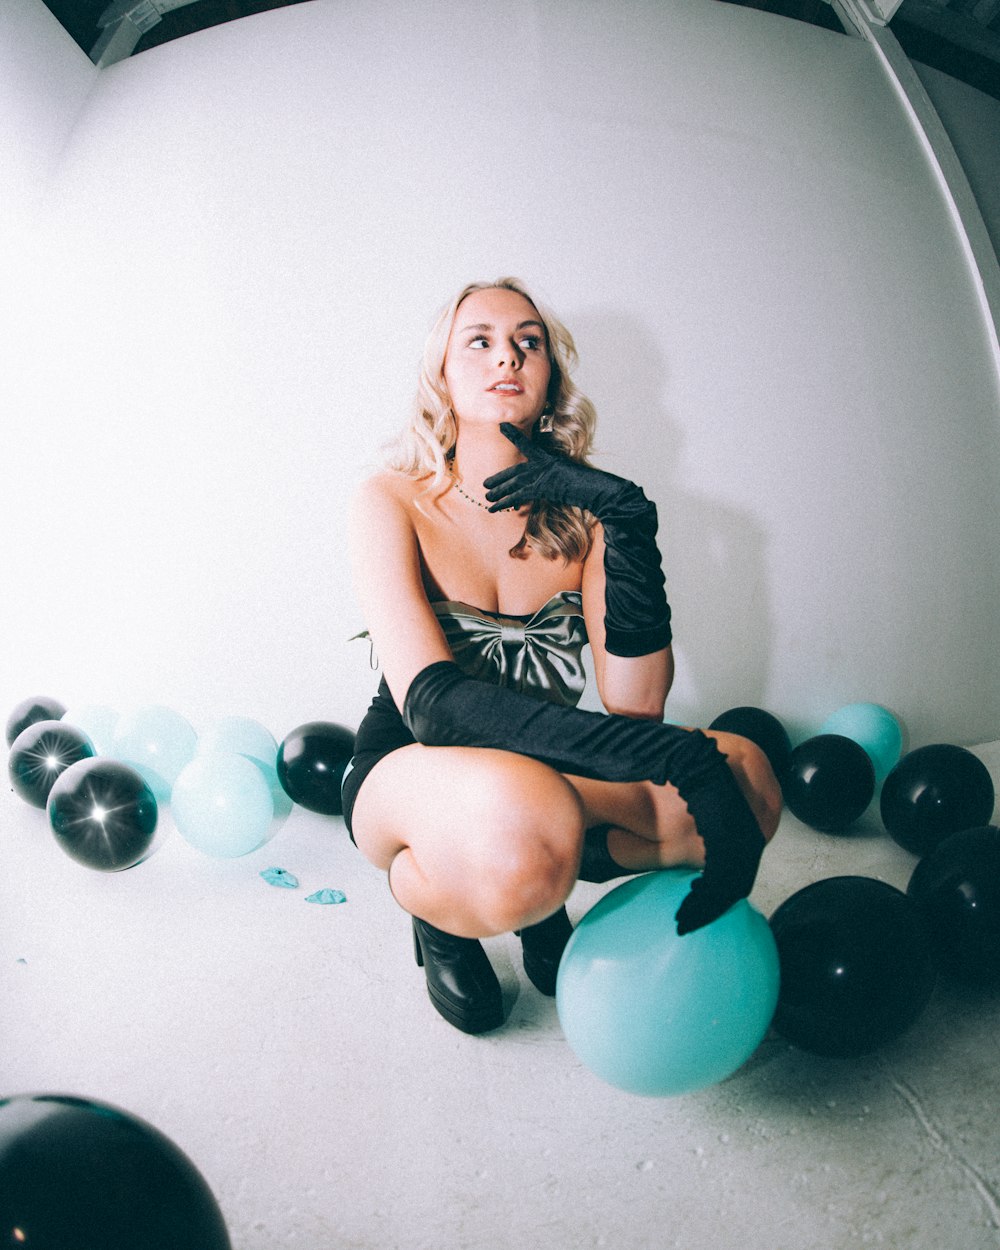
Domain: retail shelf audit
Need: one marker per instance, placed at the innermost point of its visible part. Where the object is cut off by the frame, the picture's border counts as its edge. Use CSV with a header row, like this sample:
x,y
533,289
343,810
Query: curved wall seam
x,y
963,207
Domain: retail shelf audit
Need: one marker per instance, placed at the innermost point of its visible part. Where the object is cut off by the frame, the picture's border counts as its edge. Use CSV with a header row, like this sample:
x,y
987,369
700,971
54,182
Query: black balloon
x,y
829,783
957,887
857,967
41,707
763,729
103,814
41,753
77,1174
935,791
311,763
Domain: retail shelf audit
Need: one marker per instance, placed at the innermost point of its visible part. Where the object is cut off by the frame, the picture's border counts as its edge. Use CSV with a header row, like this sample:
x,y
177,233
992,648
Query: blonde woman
x,y
484,560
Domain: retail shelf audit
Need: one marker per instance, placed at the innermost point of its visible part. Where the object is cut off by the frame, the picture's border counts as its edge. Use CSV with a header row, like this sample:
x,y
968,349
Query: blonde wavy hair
x,y
426,446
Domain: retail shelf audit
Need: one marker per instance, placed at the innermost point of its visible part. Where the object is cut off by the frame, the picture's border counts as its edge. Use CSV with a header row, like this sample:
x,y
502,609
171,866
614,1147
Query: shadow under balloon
x,y
959,1020
714,555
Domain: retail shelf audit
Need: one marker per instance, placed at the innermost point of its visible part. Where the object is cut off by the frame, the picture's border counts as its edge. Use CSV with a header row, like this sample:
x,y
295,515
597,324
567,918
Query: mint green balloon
x,y
872,727
242,735
97,721
158,742
255,741
282,803
656,1014
221,804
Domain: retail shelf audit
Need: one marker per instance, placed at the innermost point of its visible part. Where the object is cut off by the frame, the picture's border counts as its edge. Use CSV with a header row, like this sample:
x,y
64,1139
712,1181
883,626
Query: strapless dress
x,y
540,654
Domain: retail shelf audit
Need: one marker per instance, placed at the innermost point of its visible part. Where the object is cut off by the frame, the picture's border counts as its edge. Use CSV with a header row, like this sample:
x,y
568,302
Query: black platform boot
x,y
460,979
542,947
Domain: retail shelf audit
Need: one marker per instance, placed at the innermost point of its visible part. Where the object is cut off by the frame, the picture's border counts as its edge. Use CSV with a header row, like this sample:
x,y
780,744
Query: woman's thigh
x,y
478,842
658,813
453,804
462,810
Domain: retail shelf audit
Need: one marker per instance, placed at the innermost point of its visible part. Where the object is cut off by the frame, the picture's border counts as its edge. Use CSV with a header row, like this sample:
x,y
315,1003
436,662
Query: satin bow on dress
x,y
539,654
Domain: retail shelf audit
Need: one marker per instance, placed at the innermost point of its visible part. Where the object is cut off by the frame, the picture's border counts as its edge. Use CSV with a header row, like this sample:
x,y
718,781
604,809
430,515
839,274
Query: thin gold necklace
x,y
454,481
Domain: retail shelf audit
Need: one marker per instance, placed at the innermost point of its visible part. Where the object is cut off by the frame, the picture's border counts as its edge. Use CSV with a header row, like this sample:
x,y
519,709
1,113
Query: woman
x,y
483,561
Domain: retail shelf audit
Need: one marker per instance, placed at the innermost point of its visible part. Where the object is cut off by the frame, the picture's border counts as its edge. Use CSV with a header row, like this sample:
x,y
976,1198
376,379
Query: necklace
x,y
485,507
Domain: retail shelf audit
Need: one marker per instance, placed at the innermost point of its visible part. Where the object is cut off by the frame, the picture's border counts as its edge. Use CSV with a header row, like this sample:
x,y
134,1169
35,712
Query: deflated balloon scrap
x,y
327,896
280,877
285,880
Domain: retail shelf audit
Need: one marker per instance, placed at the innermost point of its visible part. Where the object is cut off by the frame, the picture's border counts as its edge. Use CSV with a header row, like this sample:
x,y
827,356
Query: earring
x,y
546,419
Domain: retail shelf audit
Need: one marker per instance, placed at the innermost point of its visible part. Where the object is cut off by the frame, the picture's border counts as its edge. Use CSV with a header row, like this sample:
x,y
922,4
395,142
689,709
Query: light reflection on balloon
x,y
40,753
103,814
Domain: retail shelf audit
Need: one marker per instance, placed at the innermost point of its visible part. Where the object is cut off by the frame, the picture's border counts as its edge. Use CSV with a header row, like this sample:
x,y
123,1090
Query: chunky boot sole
x,y
480,1010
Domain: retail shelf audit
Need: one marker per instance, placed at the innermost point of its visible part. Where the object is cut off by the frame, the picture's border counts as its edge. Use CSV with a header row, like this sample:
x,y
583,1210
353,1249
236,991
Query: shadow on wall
x,y
713,554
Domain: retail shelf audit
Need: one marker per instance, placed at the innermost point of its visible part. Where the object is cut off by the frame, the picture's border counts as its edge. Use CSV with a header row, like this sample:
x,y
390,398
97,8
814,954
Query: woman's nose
x,y
510,355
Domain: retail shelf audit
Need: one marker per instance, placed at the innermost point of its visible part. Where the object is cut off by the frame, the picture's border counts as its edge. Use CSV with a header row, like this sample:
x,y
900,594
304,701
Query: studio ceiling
x,y
958,37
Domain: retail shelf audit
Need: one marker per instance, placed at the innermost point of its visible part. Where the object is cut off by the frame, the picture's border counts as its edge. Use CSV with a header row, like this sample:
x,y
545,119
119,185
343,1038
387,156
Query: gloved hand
x,y
636,612
733,841
554,478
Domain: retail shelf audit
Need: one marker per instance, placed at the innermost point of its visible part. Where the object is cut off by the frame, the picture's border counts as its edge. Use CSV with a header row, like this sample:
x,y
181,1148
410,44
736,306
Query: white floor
x,y
291,1051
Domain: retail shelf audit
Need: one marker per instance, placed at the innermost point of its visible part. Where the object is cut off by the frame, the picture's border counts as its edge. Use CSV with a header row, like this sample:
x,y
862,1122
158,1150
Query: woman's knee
x,y
492,840
528,851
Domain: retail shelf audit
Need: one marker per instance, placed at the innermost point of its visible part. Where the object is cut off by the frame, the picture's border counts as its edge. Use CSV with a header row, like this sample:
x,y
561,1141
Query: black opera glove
x,y
552,477
733,842
443,707
637,615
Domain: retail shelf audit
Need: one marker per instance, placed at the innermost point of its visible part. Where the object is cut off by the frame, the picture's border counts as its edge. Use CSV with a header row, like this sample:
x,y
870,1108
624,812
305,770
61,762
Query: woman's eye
x,y
532,343
479,342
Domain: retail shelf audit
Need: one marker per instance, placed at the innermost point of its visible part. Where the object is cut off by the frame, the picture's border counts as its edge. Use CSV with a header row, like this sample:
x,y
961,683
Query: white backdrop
x,y
227,252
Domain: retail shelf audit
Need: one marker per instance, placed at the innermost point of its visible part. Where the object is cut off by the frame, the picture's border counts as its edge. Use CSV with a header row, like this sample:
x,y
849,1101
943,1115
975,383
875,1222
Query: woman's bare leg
x,y
651,826
480,842
476,842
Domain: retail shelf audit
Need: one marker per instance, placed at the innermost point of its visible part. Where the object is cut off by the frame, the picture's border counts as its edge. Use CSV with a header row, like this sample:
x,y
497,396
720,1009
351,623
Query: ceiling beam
x,y
123,23
943,161
879,11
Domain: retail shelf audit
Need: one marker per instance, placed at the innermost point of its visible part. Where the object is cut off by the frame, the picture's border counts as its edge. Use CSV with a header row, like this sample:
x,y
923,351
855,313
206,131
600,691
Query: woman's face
x,y
496,365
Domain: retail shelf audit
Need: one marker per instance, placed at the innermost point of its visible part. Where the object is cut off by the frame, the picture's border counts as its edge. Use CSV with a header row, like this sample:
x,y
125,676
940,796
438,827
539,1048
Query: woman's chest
x,y
469,561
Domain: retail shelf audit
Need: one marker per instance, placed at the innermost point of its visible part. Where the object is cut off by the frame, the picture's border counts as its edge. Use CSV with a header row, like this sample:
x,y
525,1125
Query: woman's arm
x,y
630,685
385,562
628,618
443,707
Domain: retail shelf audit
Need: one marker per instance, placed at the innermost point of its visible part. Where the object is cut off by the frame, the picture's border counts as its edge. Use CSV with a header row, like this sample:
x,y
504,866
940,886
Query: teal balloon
x,y
158,742
242,735
97,721
221,804
656,1014
873,727
255,741
280,801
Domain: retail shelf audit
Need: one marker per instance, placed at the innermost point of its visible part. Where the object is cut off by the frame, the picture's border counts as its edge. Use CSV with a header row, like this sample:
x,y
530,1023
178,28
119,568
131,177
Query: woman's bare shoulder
x,y
384,491
390,499
391,486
